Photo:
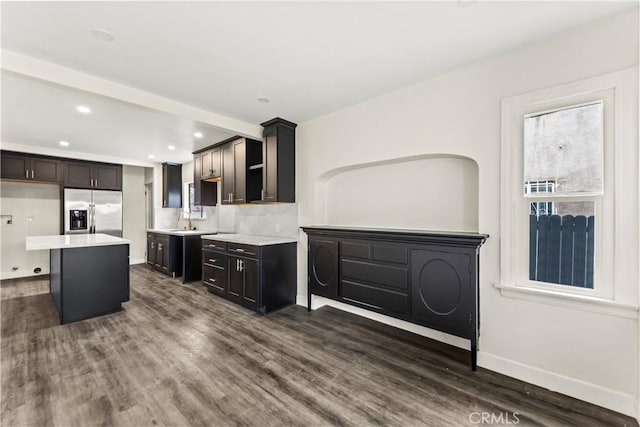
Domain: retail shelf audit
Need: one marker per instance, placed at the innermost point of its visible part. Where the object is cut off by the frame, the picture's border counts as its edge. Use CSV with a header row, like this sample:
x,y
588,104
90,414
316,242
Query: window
x,y
565,146
563,218
194,211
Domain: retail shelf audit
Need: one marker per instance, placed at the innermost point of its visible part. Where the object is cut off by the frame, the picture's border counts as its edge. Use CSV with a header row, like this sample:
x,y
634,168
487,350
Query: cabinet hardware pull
x,y
211,280
241,265
237,265
153,245
96,182
239,250
213,260
262,194
212,246
32,174
26,173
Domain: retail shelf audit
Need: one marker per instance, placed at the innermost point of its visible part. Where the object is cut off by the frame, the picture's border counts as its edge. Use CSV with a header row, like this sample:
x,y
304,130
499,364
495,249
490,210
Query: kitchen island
x,y
89,273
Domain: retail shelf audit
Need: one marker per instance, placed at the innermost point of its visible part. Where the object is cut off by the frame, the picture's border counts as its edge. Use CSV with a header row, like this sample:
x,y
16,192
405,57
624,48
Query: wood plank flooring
x,y
179,356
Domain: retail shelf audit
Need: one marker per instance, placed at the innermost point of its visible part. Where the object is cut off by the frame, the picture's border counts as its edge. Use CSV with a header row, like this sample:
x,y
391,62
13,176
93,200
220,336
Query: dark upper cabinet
x,y
279,160
323,267
210,164
90,175
241,174
31,168
171,185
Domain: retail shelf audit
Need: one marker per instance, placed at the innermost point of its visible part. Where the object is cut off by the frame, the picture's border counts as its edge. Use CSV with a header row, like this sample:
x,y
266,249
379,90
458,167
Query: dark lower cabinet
x,y
427,278
262,278
164,253
323,267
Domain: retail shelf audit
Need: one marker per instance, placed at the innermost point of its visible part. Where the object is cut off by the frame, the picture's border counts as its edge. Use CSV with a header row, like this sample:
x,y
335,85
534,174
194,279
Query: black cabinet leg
x,y
474,357
308,301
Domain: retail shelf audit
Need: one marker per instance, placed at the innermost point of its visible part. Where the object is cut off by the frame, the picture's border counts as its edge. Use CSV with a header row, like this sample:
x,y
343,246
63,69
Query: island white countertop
x,y
250,239
38,243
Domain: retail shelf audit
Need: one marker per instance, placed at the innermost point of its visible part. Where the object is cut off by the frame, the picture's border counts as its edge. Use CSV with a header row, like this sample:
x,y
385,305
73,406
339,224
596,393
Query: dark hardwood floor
x,y
179,356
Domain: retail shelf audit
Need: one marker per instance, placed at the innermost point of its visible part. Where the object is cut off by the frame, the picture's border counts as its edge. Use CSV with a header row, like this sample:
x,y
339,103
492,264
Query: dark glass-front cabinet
x,y
279,161
171,185
90,175
24,167
323,267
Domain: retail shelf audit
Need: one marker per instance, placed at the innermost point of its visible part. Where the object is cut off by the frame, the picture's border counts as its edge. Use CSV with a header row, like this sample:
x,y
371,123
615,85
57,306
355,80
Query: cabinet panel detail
x,y
393,277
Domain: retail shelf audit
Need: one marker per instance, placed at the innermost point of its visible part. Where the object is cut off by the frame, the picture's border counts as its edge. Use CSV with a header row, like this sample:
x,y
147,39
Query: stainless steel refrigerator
x,y
92,211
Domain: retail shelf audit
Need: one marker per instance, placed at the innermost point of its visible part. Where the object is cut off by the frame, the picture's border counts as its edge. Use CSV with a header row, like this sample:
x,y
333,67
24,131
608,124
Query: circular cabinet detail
x,y
439,287
323,266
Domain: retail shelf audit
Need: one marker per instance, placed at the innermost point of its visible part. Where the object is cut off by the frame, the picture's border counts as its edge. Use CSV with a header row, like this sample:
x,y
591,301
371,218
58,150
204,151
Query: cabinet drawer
x,y
214,245
394,254
240,249
374,298
355,250
375,274
151,236
214,279
214,260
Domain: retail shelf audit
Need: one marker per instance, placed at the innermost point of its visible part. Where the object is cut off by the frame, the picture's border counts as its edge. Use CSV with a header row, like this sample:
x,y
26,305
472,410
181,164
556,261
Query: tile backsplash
x,y
266,220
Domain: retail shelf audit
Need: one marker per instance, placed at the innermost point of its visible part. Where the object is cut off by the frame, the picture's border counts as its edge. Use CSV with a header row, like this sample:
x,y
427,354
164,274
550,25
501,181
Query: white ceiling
x,y
40,114
307,58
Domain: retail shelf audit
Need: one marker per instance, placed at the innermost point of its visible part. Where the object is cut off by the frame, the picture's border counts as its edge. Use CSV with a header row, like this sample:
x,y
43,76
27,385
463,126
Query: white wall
x,y
133,213
589,355
36,211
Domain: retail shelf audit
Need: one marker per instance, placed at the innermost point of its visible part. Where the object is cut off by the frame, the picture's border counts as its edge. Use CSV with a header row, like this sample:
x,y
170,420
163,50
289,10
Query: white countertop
x,y
38,243
250,239
176,232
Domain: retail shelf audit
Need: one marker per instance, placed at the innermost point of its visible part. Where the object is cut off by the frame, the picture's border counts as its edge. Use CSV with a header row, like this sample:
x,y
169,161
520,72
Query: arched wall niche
x,y
429,192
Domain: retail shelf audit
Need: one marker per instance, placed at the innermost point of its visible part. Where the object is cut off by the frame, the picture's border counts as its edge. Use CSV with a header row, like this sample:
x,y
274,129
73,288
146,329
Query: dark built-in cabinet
x,y
24,167
164,253
427,278
262,278
279,161
70,173
241,171
171,185
249,171
91,175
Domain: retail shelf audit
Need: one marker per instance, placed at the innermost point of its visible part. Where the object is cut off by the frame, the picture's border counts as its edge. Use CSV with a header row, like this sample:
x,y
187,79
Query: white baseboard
x,y
19,274
133,261
611,399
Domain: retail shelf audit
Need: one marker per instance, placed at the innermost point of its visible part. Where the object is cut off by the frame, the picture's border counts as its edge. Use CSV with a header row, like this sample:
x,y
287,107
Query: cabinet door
x,y
151,250
15,166
442,290
270,165
162,259
197,180
251,292
107,177
228,173
240,172
323,268
205,165
216,167
78,175
44,169
171,185
236,280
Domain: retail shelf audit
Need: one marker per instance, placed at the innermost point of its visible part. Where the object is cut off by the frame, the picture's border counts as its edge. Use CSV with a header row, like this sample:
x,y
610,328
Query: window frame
x,y
515,205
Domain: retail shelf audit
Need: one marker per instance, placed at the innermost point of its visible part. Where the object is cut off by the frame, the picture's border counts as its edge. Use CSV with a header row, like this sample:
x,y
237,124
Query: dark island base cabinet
x,y
262,278
430,279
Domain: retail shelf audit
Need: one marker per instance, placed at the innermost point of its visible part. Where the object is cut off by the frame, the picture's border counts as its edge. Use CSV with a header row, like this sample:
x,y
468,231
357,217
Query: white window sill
x,y
578,302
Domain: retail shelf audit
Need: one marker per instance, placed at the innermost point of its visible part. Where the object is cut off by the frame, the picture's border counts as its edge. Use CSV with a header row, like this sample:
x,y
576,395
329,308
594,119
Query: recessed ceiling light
x,y
198,134
102,34
151,156
64,143
171,147
264,100
82,109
